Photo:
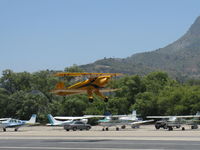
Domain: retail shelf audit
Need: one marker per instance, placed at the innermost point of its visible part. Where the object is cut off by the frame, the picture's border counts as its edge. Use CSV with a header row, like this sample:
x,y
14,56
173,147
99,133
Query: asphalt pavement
x,y
44,138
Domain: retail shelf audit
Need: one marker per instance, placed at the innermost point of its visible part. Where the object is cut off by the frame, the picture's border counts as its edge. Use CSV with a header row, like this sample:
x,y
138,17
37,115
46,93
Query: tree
x,y
157,81
146,104
129,87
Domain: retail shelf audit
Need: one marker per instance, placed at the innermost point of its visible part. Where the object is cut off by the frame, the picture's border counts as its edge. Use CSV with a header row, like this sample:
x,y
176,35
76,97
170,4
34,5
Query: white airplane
x,y
121,120
3,119
54,122
169,122
15,123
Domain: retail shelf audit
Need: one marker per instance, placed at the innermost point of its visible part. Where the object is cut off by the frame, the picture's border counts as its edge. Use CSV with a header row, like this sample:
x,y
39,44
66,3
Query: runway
x,y
43,138
96,144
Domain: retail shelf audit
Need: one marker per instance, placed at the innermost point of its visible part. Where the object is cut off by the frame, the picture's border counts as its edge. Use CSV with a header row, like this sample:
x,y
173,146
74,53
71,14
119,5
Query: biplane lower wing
x,y
68,92
64,92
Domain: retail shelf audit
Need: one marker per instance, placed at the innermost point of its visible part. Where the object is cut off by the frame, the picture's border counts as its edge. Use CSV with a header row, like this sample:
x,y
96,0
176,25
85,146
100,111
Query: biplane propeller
x,y
95,84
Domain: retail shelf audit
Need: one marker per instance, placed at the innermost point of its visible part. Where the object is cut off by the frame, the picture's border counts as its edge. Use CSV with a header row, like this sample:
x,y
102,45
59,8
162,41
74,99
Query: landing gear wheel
x,y
117,129
123,127
106,99
183,128
4,129
170,128
103,129
16,129
194,126
106,129
157,127
91,100
165,127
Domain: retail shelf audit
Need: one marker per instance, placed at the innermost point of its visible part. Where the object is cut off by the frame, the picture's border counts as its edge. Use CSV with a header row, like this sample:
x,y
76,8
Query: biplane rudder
x,y
60,85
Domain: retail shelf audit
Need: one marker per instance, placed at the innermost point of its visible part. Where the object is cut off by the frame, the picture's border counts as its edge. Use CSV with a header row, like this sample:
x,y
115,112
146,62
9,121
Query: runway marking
x,y
71,148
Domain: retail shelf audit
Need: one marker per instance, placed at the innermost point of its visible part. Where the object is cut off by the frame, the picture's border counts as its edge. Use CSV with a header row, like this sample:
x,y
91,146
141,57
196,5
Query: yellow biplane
x,y
95,83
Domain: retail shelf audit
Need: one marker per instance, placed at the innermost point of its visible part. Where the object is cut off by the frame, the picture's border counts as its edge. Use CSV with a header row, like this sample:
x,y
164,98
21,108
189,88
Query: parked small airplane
x,y
15,123
169,122
54,122
120,120
94,84
3,119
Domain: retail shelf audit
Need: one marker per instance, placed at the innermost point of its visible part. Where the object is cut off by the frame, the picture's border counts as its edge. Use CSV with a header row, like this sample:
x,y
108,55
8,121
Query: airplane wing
x,y
67,91
159,117
62,74
95,116
4,119
102,116
72,118
108,90
141,122
77,91
118,116
189,116
184,116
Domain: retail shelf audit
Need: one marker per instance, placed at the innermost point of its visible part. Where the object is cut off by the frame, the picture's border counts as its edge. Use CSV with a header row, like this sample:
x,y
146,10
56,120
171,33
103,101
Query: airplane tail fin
x,y
52,120
198,113
32,119
134,115
60,85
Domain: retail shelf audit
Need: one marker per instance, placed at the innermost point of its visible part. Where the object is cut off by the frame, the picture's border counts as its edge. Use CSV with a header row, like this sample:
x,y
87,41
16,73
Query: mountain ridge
x,y
180,58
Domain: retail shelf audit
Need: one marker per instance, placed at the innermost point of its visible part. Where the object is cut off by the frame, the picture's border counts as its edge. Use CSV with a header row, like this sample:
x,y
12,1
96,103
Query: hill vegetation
x,y
180,59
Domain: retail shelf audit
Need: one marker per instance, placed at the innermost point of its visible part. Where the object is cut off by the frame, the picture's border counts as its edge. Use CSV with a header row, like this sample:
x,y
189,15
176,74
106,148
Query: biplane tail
x,y
59,86
59,89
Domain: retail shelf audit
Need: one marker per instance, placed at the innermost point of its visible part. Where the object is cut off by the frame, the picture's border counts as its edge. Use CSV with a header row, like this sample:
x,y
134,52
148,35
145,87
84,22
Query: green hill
x,y
179,59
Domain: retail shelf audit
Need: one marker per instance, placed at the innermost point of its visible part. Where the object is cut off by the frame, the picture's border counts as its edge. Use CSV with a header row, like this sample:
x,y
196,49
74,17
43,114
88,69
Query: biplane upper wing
x,y
62,74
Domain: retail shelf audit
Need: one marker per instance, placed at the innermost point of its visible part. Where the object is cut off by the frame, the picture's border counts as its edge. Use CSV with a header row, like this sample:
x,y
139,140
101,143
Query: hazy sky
x,y
54,34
